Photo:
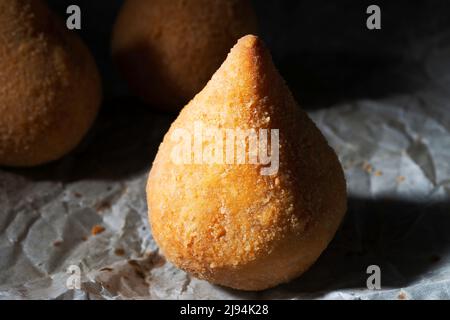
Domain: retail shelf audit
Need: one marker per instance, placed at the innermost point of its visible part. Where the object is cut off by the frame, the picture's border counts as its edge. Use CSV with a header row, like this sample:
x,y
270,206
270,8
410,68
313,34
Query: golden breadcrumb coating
x,y
50,89
227,223
168,50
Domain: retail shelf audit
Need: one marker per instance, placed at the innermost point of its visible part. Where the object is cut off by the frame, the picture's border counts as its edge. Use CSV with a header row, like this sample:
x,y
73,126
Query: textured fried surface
x,y
227,223
50,89
168,50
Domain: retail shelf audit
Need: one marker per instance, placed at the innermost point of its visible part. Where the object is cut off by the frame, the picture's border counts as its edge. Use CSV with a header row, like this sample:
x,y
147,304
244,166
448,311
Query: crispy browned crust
x,y
227,223
50,89
168,50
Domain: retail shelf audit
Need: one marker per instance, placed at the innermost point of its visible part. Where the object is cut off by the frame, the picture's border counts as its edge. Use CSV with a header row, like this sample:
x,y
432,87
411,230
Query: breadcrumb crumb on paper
x,y
97,229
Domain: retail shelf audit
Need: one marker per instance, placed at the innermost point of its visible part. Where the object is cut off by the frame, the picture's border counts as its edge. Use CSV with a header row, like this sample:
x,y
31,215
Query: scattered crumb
x,y
378,173
107,269
435,258
57,243
400,179
367,167
97,229
402,296
103,206
119,252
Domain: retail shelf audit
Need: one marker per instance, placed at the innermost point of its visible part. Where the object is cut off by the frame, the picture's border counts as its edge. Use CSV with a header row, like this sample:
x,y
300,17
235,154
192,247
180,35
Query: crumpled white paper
x,y
396,156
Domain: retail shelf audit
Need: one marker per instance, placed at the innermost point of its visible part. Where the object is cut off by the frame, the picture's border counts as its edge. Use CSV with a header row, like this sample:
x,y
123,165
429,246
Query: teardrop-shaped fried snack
x,y
50,90
249,224
168,50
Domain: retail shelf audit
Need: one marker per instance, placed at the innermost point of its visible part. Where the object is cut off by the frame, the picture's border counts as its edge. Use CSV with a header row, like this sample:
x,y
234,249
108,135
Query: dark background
x,y
322,47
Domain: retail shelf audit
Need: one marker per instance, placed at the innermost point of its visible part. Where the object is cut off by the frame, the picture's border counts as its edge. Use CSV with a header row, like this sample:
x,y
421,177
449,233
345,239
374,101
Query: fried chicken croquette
x,y
227,222
50,89
168,50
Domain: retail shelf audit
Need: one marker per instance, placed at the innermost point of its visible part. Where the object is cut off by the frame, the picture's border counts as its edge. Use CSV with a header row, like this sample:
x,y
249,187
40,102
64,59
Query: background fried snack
x,y
50,89
227,223
168,50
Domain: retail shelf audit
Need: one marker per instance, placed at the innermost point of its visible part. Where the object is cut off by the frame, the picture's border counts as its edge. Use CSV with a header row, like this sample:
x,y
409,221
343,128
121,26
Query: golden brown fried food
x,y
168,50
50,89
229,223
